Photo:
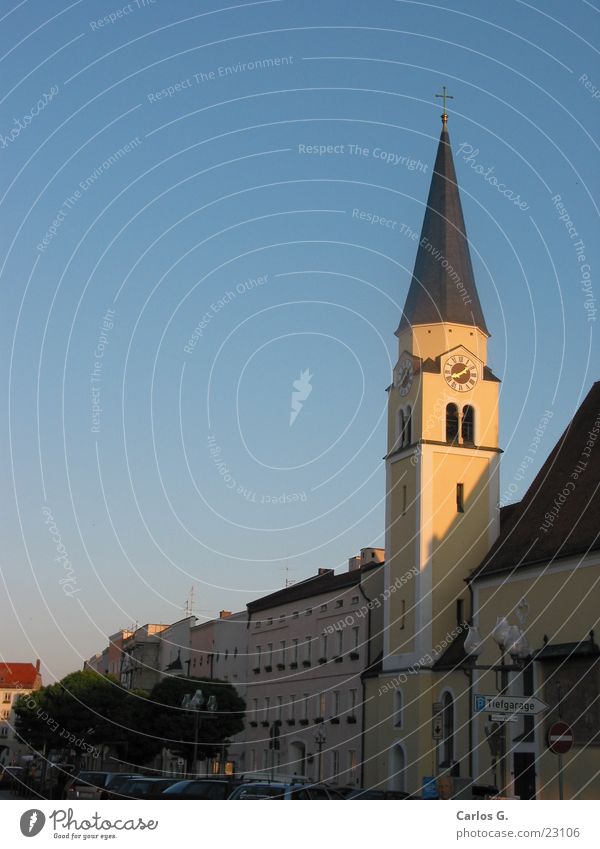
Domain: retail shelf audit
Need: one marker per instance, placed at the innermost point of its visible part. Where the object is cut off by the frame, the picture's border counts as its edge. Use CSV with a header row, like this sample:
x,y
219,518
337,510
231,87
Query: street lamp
x,y
194,703
320,740
510,640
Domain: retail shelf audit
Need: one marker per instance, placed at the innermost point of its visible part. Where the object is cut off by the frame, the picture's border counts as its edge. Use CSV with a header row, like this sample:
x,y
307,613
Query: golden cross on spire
x,y
445,97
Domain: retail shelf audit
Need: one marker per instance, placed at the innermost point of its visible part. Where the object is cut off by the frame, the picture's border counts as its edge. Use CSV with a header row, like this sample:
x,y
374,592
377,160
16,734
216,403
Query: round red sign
x,y
560,738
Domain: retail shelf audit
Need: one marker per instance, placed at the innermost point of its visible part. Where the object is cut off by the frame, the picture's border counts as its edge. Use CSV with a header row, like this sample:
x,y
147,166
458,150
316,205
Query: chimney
x,y
325,572
354,563
224,614
37,665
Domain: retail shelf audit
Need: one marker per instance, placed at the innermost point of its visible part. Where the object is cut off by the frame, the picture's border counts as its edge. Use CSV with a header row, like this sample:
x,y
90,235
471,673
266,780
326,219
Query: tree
x,y
174,726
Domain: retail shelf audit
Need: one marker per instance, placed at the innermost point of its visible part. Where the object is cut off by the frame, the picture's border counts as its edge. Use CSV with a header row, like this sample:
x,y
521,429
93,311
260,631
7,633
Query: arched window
x,y
407,427
451,423
467,428
400,435
447,730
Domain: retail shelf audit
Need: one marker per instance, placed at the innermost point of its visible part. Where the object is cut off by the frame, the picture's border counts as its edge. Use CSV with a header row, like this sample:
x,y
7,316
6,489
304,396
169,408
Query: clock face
x,y
404,375
460,373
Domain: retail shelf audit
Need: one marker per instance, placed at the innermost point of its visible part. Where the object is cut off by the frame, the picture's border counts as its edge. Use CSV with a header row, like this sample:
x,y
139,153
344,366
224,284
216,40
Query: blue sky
x,y
193,169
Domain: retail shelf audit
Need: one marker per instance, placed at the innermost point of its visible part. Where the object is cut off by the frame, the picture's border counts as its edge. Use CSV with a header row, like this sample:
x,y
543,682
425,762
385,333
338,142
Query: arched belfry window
x,y
468,424
400,439
451,423
408,427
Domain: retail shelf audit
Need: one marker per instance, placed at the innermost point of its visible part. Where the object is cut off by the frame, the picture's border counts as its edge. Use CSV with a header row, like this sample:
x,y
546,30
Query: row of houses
x,y
16,679
297,657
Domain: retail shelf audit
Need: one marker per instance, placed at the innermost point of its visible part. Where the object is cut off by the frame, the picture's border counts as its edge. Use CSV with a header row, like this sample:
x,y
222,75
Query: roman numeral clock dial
x,y
460,373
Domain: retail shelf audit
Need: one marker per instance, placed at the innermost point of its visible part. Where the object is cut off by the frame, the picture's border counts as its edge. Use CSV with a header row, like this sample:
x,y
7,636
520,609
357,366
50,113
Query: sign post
x,y
560,741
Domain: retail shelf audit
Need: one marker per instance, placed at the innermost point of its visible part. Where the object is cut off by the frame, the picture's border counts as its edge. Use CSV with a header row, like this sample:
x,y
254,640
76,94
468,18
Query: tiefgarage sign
x,y
525,706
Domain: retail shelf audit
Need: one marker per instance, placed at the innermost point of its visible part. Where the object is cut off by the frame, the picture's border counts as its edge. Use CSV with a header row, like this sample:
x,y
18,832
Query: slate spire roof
x,y
443,285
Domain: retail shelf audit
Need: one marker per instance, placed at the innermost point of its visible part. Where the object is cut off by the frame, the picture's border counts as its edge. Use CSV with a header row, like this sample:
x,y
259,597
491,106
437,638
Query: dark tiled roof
x,y
454,655
18,675
433,295
559,514
328,582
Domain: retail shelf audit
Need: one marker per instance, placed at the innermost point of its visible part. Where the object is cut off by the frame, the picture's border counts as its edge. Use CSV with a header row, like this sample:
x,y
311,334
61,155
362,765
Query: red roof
x,y
21,676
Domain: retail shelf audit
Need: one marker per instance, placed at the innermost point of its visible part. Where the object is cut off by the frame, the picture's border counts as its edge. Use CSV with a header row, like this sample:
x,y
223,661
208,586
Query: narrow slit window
x,y
460,497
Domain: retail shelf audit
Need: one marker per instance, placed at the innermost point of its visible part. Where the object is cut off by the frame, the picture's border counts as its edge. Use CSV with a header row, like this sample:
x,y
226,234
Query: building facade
x,y
16,679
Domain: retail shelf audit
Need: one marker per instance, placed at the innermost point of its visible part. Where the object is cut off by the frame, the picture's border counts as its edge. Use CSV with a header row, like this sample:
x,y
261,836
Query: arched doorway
x,y
298,758
397,777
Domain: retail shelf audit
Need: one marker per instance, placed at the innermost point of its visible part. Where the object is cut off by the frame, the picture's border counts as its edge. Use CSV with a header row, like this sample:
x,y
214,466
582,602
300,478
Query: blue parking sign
x,y
480,702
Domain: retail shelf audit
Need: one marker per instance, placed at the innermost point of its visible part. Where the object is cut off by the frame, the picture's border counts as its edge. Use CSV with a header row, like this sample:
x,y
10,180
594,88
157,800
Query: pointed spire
x,y
443,288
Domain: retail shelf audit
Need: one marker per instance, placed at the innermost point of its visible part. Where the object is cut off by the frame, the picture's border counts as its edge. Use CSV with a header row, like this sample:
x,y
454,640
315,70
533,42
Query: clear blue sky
x,y
151,165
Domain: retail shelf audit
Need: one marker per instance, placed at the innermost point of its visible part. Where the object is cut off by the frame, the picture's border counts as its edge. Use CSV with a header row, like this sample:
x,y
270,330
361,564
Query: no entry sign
x,y
560,738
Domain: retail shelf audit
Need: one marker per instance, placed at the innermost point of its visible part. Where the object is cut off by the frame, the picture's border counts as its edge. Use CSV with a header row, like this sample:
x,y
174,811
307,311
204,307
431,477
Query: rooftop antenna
x,y
189,603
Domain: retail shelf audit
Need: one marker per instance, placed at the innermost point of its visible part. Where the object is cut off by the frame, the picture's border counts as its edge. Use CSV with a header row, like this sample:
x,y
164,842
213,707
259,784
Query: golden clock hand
x,y
456,374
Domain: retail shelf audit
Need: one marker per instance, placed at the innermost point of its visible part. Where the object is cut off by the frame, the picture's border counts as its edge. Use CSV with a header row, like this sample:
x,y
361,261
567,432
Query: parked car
x,y
91,785
377,794
145,787
199,788
11,776
278,790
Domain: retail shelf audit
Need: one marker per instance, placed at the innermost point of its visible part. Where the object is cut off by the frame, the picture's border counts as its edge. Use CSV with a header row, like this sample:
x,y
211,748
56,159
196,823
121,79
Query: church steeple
x,y
443,287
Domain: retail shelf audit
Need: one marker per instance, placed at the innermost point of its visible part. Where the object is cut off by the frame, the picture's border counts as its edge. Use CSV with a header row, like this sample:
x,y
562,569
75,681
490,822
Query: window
x,y
355,599
407,436
451,423
322,704
339,602
336,703
308,650
270,620
324,645
257,623
400,427
235,652
194,662
460,498
282,651
292,706
295,614
402,613
294,651
355,638
270,654
352,702
267,707
323,608
340,643
335,765
467,429
398,708
280,708
308,611
281,617
226,654
305,701
447,730
5,714
258,655
252,760
352,765
7,698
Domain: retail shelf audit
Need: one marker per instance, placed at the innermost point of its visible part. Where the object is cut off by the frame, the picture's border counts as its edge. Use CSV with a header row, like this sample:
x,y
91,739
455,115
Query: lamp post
x,y
194,703
511,640
320,740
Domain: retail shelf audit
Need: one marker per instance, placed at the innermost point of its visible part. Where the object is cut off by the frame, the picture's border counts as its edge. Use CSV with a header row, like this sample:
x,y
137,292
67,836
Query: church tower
x,y
442,469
